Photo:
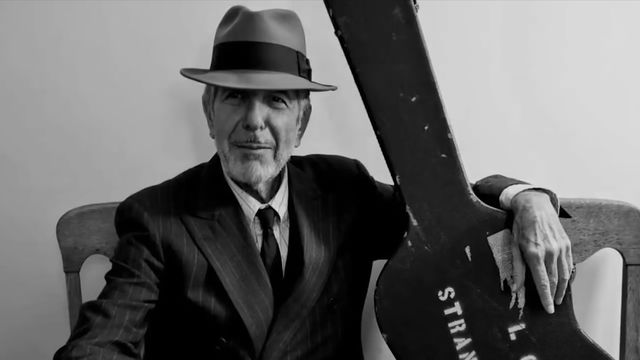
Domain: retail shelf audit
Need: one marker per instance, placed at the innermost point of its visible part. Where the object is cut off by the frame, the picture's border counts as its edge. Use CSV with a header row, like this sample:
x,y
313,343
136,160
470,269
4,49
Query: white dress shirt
x,y
279,203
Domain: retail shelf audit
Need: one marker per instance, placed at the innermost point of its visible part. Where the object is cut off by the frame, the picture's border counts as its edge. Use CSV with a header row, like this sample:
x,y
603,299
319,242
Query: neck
x,y
264,191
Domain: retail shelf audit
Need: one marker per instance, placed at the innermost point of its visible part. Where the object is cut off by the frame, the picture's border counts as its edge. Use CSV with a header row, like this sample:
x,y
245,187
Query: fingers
x,y
519,268
564,277
540,277
572,266
551,265
564,264
535,256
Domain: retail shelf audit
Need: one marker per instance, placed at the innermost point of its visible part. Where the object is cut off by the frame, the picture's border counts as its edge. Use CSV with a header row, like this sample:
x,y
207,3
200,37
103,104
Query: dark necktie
x,y
270,253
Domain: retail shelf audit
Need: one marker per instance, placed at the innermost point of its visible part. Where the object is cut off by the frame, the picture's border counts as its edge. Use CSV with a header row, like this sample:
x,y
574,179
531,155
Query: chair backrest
x,y
595,224
82,232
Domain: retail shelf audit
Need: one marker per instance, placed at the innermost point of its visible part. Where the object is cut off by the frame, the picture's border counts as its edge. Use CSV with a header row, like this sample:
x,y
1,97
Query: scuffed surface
x,y
510,266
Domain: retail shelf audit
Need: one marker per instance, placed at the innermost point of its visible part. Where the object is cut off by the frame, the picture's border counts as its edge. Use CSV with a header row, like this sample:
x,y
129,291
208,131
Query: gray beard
x,y
255,174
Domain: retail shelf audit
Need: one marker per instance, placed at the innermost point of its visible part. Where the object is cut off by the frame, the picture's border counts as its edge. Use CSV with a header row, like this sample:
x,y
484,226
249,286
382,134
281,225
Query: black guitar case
x,y
439,296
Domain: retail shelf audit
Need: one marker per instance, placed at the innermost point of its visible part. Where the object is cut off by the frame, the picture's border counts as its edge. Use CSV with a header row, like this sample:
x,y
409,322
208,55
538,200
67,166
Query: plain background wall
x,y
92,108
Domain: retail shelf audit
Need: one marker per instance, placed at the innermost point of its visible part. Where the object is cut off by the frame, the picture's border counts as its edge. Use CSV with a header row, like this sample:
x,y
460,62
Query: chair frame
x,y
597,224
594,224
84,231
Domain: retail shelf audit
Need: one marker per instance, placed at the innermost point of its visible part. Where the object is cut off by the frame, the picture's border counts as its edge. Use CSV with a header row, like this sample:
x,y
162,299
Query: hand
x,y
544,244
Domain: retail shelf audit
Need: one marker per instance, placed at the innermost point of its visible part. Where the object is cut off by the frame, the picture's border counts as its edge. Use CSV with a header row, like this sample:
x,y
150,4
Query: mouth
x,y
252,145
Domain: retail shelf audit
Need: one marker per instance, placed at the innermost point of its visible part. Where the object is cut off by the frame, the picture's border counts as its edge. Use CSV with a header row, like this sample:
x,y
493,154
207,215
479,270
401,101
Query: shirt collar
x,y
250,206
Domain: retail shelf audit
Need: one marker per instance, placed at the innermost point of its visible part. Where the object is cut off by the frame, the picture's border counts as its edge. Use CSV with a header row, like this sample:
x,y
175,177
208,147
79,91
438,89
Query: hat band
x,y
252,55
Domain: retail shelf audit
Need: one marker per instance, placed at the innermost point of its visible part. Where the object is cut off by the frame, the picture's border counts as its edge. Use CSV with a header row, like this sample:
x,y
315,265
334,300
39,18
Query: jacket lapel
x,y
218,230
315,223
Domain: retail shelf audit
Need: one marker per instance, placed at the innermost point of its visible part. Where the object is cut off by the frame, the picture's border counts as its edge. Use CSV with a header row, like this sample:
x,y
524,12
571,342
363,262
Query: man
x,y
258,253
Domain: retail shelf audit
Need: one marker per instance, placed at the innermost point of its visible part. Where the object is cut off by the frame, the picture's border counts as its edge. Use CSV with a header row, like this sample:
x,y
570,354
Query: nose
x,y
255,117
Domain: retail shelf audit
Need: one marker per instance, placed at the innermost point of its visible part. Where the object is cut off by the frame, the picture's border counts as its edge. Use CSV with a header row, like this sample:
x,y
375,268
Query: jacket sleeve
x,y
113,326
487,189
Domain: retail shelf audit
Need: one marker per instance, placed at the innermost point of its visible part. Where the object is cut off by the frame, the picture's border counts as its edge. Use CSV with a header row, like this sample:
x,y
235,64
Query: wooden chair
x,y
595,224
82,232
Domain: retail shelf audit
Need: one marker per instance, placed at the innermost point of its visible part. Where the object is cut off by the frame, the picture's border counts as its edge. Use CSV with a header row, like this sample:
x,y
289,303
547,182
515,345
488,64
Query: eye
x,y
233,96
279,101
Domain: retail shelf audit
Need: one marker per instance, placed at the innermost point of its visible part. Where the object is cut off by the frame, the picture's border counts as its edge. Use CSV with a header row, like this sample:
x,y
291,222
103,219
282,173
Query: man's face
x,y
255,131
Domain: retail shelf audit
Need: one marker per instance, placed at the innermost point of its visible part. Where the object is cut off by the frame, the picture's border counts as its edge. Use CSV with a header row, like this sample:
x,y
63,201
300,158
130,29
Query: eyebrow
x,y
290,94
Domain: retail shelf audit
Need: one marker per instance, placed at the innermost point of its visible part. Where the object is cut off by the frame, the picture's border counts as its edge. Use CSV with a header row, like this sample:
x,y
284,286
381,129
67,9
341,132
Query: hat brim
x,y
254,79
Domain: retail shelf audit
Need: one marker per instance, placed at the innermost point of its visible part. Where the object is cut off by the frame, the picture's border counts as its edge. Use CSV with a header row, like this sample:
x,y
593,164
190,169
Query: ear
x,y
303,122
207,107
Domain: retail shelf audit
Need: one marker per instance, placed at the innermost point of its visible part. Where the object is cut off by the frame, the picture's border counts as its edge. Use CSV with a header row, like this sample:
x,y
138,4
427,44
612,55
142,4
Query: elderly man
x,y
258,253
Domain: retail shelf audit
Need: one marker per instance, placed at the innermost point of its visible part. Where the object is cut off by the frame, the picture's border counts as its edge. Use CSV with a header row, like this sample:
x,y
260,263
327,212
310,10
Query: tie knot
x,y
267,217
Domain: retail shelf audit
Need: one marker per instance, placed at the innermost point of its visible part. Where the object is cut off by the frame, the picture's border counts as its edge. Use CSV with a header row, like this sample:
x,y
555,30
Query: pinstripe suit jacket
x,y
187,281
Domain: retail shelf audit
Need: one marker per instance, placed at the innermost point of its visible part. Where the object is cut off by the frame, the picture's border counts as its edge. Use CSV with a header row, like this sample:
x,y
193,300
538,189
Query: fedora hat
x,y
261,50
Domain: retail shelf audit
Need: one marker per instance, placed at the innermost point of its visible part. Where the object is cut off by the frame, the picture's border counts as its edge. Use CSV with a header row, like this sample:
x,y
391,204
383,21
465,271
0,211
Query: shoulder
x,y
169,195
328,166
331,171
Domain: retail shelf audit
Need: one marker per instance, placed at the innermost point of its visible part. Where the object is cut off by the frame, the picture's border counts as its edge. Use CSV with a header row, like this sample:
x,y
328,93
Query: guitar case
x,y
440,296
